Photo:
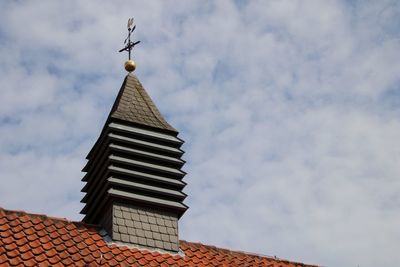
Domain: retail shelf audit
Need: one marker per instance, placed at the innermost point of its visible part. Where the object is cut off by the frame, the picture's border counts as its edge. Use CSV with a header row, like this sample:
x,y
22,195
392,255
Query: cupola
x,y
134,174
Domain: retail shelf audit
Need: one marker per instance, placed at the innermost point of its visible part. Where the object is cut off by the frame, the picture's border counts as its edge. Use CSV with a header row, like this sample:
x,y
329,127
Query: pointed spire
x,y
133,104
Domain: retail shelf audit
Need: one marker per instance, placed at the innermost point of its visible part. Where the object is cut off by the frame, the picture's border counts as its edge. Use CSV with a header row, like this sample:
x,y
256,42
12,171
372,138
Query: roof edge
x,y
248,253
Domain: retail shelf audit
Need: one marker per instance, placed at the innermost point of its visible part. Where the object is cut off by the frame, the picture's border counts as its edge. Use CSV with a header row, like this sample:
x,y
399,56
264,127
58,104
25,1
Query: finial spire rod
x,y
130,64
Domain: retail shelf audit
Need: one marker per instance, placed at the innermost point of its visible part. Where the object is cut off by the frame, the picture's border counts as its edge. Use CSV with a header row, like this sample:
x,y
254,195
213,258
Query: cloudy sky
x,y
290,111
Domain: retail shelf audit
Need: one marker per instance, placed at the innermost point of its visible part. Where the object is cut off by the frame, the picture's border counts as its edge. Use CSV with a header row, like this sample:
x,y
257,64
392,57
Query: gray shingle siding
x,y
145,227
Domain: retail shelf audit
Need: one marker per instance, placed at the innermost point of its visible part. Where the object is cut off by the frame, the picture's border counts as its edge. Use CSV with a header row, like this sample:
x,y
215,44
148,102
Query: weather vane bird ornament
x,y
130,65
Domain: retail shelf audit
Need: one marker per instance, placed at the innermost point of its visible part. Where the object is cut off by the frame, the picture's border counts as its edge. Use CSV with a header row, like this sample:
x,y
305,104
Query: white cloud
x,y
288,109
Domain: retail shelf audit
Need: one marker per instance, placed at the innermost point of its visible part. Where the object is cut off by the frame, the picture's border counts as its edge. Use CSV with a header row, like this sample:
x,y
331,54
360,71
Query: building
x,y
133,203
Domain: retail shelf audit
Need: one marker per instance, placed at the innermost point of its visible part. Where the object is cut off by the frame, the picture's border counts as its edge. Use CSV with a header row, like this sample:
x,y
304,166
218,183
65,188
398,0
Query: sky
x,y
290,112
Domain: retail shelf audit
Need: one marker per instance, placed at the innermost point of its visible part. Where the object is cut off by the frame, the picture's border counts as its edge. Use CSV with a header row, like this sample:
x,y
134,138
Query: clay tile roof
x,y
133,104
20,245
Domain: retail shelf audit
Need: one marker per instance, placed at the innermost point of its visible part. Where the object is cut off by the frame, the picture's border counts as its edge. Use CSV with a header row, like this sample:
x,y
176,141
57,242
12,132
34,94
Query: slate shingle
x,y
133,104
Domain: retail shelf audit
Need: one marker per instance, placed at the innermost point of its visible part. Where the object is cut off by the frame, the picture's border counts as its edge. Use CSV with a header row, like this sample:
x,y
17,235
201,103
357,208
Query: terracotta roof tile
x,y
113,262
32,238
60,248
27,255
67,261
15,261
84,252
75,257
37,220
62,231
21,242
44,239
27,224
48,222
30,263
40,257
73,232
38,240
11,216
17,228
51,252
55,259
143,261
11,247
28,229
65,237
11,252
3,258
57,242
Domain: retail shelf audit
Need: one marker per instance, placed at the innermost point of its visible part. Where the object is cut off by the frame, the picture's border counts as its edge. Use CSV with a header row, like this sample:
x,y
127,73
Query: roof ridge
x,y
247,253
44,216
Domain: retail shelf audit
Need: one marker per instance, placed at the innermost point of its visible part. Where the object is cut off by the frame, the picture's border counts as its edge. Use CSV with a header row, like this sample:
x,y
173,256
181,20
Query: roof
x,y
133,104
38,240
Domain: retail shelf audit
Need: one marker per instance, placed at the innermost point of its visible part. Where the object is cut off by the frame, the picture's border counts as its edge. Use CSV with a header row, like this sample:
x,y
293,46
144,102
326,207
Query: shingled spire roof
x,y
133,104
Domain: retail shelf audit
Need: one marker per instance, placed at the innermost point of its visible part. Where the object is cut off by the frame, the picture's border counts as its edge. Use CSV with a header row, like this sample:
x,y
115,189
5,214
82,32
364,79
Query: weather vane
x,y
130,65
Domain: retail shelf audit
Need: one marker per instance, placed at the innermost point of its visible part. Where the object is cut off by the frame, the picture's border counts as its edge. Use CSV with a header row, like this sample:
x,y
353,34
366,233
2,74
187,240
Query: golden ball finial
x,y
130,65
